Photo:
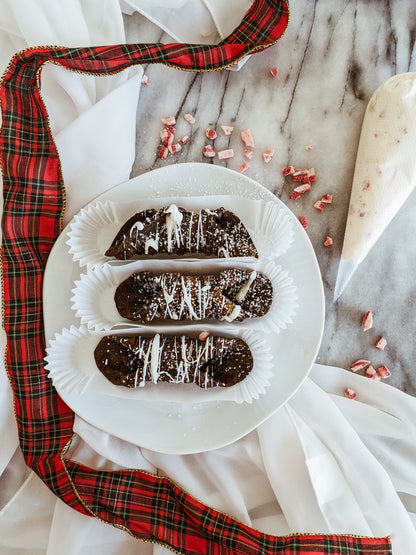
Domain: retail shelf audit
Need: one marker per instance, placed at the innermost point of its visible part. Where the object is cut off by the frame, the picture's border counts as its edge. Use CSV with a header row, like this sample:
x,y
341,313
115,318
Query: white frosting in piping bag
x,y
385,170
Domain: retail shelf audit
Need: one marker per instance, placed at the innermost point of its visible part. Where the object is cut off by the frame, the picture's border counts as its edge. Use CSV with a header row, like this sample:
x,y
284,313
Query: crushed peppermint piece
x,y
189,118
210,134
173,149
163,152
247,138
371,372
350,393
268,155
329,241
308,147
319,205
244,167
327,199
170,120
305,179
359,365
303,221
383,371
227,129
145,79
274,72
302,188
288,170
224,154
167,136
203,336
367,322
294,196
185,139
299,173
208,151
311,174
381,343
248,153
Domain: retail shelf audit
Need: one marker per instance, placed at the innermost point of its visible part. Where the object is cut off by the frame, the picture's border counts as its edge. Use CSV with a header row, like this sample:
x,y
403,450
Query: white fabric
x,y
322,463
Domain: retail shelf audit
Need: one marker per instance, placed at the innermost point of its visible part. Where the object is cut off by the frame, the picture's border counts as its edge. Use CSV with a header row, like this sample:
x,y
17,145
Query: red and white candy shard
x,y
203,336
299,173
383,371
170,120
381,343
173,149
145,79
359,364
311,174
288,170
185,139
247,138
302,188
208,151
244,167
327,198
274,72
319,205
248,153
167,136
371,372
350,393
294,196
210,133
303,221
189,118
163,152
227,129
224,154
329,241
367,320
268,155
308,147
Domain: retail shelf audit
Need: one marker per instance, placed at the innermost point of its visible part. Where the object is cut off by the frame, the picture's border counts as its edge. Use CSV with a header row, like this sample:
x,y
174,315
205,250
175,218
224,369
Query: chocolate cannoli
x,y
231,295
177,232
133,361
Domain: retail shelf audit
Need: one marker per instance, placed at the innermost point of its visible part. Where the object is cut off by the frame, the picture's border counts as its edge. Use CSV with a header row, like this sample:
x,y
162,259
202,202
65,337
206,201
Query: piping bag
x,y
385,170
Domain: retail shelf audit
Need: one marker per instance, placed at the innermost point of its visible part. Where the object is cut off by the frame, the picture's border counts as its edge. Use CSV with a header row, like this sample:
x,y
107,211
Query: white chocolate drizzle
x,y
189,356
154,358
182,297
173,225
241,295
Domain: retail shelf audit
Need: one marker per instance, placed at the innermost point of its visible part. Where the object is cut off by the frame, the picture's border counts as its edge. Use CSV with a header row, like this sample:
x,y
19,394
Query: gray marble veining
x,y
331,59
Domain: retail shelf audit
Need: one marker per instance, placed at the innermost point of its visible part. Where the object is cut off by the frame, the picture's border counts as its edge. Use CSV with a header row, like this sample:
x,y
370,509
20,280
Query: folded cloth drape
x,y
31,409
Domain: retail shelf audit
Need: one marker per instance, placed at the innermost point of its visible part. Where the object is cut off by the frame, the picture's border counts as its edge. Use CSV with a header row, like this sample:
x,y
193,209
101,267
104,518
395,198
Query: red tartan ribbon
x,y
149,507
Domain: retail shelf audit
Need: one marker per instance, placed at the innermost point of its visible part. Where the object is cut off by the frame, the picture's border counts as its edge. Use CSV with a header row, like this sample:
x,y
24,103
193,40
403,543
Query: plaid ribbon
x,y
149,507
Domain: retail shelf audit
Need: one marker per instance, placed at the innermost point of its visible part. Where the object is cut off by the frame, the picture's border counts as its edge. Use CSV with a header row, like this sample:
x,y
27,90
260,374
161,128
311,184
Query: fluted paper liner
x,y
93,300
385,170
94,227
72,368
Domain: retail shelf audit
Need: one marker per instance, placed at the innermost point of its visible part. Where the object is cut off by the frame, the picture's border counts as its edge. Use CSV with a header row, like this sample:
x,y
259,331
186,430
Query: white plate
x,y
191,428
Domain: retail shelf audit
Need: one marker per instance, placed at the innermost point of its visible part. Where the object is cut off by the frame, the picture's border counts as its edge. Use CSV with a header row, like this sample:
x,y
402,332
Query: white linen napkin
x,y
322,463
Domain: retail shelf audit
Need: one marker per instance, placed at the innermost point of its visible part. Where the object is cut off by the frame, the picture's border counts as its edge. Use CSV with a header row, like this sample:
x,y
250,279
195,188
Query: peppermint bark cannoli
x,y
175,231
131,361
234,294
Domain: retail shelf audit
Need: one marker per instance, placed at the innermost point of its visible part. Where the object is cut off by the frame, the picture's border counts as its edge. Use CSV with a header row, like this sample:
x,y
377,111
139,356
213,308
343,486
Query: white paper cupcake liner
x,y
93,300
71,366
94,227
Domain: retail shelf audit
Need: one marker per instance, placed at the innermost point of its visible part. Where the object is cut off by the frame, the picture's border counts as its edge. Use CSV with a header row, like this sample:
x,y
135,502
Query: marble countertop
x,y
331,59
